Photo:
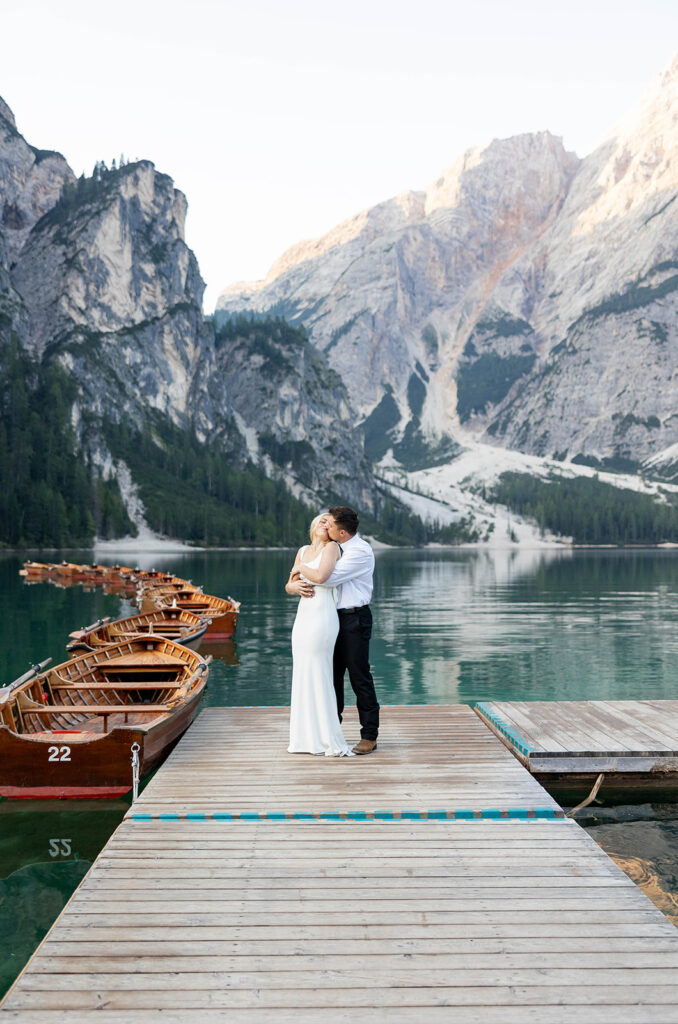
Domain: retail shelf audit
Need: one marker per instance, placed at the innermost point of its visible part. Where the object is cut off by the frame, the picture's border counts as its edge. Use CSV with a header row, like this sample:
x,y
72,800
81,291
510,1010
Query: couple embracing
x,y
333,577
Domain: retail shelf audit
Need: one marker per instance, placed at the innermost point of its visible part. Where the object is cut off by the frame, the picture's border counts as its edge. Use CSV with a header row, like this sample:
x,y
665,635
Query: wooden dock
x,y
251,886
431,759
588,737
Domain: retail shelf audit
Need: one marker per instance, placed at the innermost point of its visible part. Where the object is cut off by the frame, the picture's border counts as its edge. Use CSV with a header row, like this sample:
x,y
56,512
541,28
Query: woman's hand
x,y
292,585
300,587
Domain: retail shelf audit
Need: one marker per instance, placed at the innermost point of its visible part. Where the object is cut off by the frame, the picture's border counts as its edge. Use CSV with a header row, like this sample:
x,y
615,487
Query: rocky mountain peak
x,y
6,114
526,297
395,288
96,276
482,171
112,249
31,181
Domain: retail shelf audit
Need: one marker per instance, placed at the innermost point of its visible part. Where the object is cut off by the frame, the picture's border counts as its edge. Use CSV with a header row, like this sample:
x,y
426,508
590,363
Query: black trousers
x,y
352,652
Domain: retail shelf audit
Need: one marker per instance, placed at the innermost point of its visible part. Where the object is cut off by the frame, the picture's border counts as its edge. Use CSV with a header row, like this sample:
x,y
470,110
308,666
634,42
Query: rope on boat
x,y
135,770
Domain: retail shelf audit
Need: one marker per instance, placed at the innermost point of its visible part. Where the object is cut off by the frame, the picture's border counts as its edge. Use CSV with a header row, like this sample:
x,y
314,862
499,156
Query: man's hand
x,y
301,587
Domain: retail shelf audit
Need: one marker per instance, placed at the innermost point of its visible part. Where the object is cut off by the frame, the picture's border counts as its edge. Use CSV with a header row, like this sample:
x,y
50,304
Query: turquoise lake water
x,y
451,626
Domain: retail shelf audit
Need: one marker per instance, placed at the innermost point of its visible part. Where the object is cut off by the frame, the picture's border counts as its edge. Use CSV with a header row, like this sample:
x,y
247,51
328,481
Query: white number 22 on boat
x,y
59,753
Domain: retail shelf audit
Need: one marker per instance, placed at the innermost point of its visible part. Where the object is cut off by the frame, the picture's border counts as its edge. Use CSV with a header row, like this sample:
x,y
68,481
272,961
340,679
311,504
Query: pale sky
x,y
280,119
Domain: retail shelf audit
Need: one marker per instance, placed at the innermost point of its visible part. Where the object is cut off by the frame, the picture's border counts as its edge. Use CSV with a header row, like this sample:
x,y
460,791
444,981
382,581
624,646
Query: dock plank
x,y
521,1014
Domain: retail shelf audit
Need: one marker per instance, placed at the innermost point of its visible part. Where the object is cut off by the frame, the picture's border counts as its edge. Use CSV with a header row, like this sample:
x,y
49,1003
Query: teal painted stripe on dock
x,y
516,740
463,814
285,707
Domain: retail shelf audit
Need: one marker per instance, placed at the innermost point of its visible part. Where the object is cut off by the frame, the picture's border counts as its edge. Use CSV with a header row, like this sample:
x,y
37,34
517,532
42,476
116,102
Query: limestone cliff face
x,y
605,314
113,292
96,275
294,411
526,297
390,294
31,181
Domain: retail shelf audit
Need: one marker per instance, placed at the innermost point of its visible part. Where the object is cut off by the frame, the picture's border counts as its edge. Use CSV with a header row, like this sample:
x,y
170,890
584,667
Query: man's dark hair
x,y
345,518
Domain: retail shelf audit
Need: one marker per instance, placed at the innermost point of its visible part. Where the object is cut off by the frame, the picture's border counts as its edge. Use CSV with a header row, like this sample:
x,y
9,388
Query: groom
x,y
352,576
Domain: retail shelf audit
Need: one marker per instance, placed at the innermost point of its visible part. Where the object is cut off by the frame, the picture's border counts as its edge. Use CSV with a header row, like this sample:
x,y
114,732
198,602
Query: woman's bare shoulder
x,y
300,553
332,552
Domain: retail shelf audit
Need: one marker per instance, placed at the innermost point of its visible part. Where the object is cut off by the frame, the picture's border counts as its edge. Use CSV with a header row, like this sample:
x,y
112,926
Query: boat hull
x,y
72,764
222,627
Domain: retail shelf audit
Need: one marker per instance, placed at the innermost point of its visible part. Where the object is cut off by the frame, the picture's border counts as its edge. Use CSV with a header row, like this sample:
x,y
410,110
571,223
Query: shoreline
x,y
179,548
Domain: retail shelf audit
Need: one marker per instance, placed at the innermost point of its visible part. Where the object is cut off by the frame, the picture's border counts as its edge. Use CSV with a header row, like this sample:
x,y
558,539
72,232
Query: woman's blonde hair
x,y
314,523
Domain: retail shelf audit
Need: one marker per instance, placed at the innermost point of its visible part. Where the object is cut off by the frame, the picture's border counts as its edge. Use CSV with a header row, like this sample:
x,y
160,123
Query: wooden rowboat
x,y
153,577
71,571
96,573
69,731
119,574
223,612
145,588
171,623
37,570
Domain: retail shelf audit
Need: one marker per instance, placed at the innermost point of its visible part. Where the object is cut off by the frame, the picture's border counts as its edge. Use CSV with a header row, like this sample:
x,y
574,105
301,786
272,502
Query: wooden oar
x,y
78,633
6,690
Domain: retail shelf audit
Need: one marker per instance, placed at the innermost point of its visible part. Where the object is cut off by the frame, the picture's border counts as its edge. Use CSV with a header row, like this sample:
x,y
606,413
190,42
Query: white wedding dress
x,y
314,723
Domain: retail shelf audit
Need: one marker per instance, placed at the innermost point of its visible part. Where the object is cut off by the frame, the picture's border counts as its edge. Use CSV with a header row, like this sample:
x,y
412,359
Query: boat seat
x,y
136,670
126,684
96,709
105,710
142,660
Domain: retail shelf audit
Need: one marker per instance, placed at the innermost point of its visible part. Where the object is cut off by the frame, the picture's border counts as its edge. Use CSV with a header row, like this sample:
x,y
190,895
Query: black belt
x,y
348,611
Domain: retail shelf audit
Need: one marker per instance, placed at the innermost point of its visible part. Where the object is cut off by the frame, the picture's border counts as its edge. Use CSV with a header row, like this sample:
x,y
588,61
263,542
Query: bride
x,y
314,721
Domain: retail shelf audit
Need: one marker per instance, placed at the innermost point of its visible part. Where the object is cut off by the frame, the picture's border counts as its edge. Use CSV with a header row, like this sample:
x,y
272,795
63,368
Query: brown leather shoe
x,y
365,747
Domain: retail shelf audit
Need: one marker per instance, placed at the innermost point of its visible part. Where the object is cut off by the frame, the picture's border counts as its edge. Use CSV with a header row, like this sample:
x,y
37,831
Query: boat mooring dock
x,y
588,736
434,879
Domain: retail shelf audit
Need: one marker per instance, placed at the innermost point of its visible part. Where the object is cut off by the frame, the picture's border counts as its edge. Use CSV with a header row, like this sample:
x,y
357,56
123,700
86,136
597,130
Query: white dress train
x,y
314,722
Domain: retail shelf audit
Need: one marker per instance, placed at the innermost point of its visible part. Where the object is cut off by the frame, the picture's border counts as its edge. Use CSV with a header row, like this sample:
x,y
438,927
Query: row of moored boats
x,y
131,687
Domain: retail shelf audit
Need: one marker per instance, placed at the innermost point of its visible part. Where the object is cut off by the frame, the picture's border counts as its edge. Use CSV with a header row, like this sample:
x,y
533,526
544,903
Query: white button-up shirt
x,y
353,574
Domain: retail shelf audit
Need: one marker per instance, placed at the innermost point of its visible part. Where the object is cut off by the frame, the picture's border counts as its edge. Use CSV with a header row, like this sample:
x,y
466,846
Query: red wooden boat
x,y
96,573
145,588
153,577
223,612
71,571
172,623
69,731
37,570
118,573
